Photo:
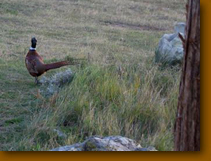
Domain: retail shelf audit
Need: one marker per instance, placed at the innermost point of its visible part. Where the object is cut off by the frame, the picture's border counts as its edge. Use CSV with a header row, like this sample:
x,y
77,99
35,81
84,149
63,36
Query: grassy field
x,y
121,91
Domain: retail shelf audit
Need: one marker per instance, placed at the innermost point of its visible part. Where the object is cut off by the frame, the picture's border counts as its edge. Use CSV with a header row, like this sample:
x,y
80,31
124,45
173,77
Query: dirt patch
x,y
133,26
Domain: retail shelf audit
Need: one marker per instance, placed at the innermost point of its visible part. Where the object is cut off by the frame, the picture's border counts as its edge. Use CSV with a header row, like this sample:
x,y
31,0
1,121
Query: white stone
x,y
170,48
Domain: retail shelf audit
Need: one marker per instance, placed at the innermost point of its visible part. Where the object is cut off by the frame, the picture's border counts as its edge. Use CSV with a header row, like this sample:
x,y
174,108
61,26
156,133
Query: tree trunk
x,y
187,124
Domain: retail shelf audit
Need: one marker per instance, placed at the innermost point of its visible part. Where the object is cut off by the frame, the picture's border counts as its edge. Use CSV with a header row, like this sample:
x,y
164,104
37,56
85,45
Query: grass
x,y
121,91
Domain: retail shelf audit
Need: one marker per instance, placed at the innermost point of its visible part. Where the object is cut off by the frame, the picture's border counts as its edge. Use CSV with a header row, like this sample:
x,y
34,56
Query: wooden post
x,y
187,124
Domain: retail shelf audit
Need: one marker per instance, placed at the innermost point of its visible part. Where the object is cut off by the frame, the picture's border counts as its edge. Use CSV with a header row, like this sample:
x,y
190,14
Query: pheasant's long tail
x,y
56,65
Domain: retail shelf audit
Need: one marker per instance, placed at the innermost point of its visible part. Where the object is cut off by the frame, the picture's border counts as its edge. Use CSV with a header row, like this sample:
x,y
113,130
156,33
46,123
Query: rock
x,y
60,134
170,48
110,143
51,85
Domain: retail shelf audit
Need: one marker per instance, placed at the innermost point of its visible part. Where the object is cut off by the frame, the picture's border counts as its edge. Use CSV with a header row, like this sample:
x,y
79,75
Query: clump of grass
x,y
140,105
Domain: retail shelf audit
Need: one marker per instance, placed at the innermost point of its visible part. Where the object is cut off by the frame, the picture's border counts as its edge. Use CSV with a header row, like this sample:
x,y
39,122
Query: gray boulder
x,y
110,143
170,48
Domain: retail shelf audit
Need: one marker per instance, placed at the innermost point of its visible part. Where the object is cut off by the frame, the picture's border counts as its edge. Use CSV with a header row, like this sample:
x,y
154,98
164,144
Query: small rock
x,y
60,134
51,85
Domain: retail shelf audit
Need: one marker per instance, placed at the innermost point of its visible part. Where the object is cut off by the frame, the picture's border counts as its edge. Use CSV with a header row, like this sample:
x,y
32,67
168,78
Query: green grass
x,y
120,91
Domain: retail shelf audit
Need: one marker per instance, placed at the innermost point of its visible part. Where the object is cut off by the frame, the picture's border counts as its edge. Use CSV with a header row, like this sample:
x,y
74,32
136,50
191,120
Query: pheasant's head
x,y
34,42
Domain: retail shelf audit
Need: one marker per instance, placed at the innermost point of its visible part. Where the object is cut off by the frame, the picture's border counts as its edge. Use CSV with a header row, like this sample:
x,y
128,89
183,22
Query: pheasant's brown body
x,y
36,66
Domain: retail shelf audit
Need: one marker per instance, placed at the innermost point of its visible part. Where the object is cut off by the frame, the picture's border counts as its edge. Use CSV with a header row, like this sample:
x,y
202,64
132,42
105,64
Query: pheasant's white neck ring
x,y
31,48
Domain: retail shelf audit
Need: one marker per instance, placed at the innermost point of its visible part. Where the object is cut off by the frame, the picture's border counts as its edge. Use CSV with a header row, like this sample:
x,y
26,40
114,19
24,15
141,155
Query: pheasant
x,y
35,65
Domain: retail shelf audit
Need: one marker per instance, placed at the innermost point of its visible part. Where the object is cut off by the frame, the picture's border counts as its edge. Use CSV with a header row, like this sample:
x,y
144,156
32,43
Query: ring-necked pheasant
x,y
35,65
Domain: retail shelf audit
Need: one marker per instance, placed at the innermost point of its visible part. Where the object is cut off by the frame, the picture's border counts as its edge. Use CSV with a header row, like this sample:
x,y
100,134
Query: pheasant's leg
x,y
36,80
